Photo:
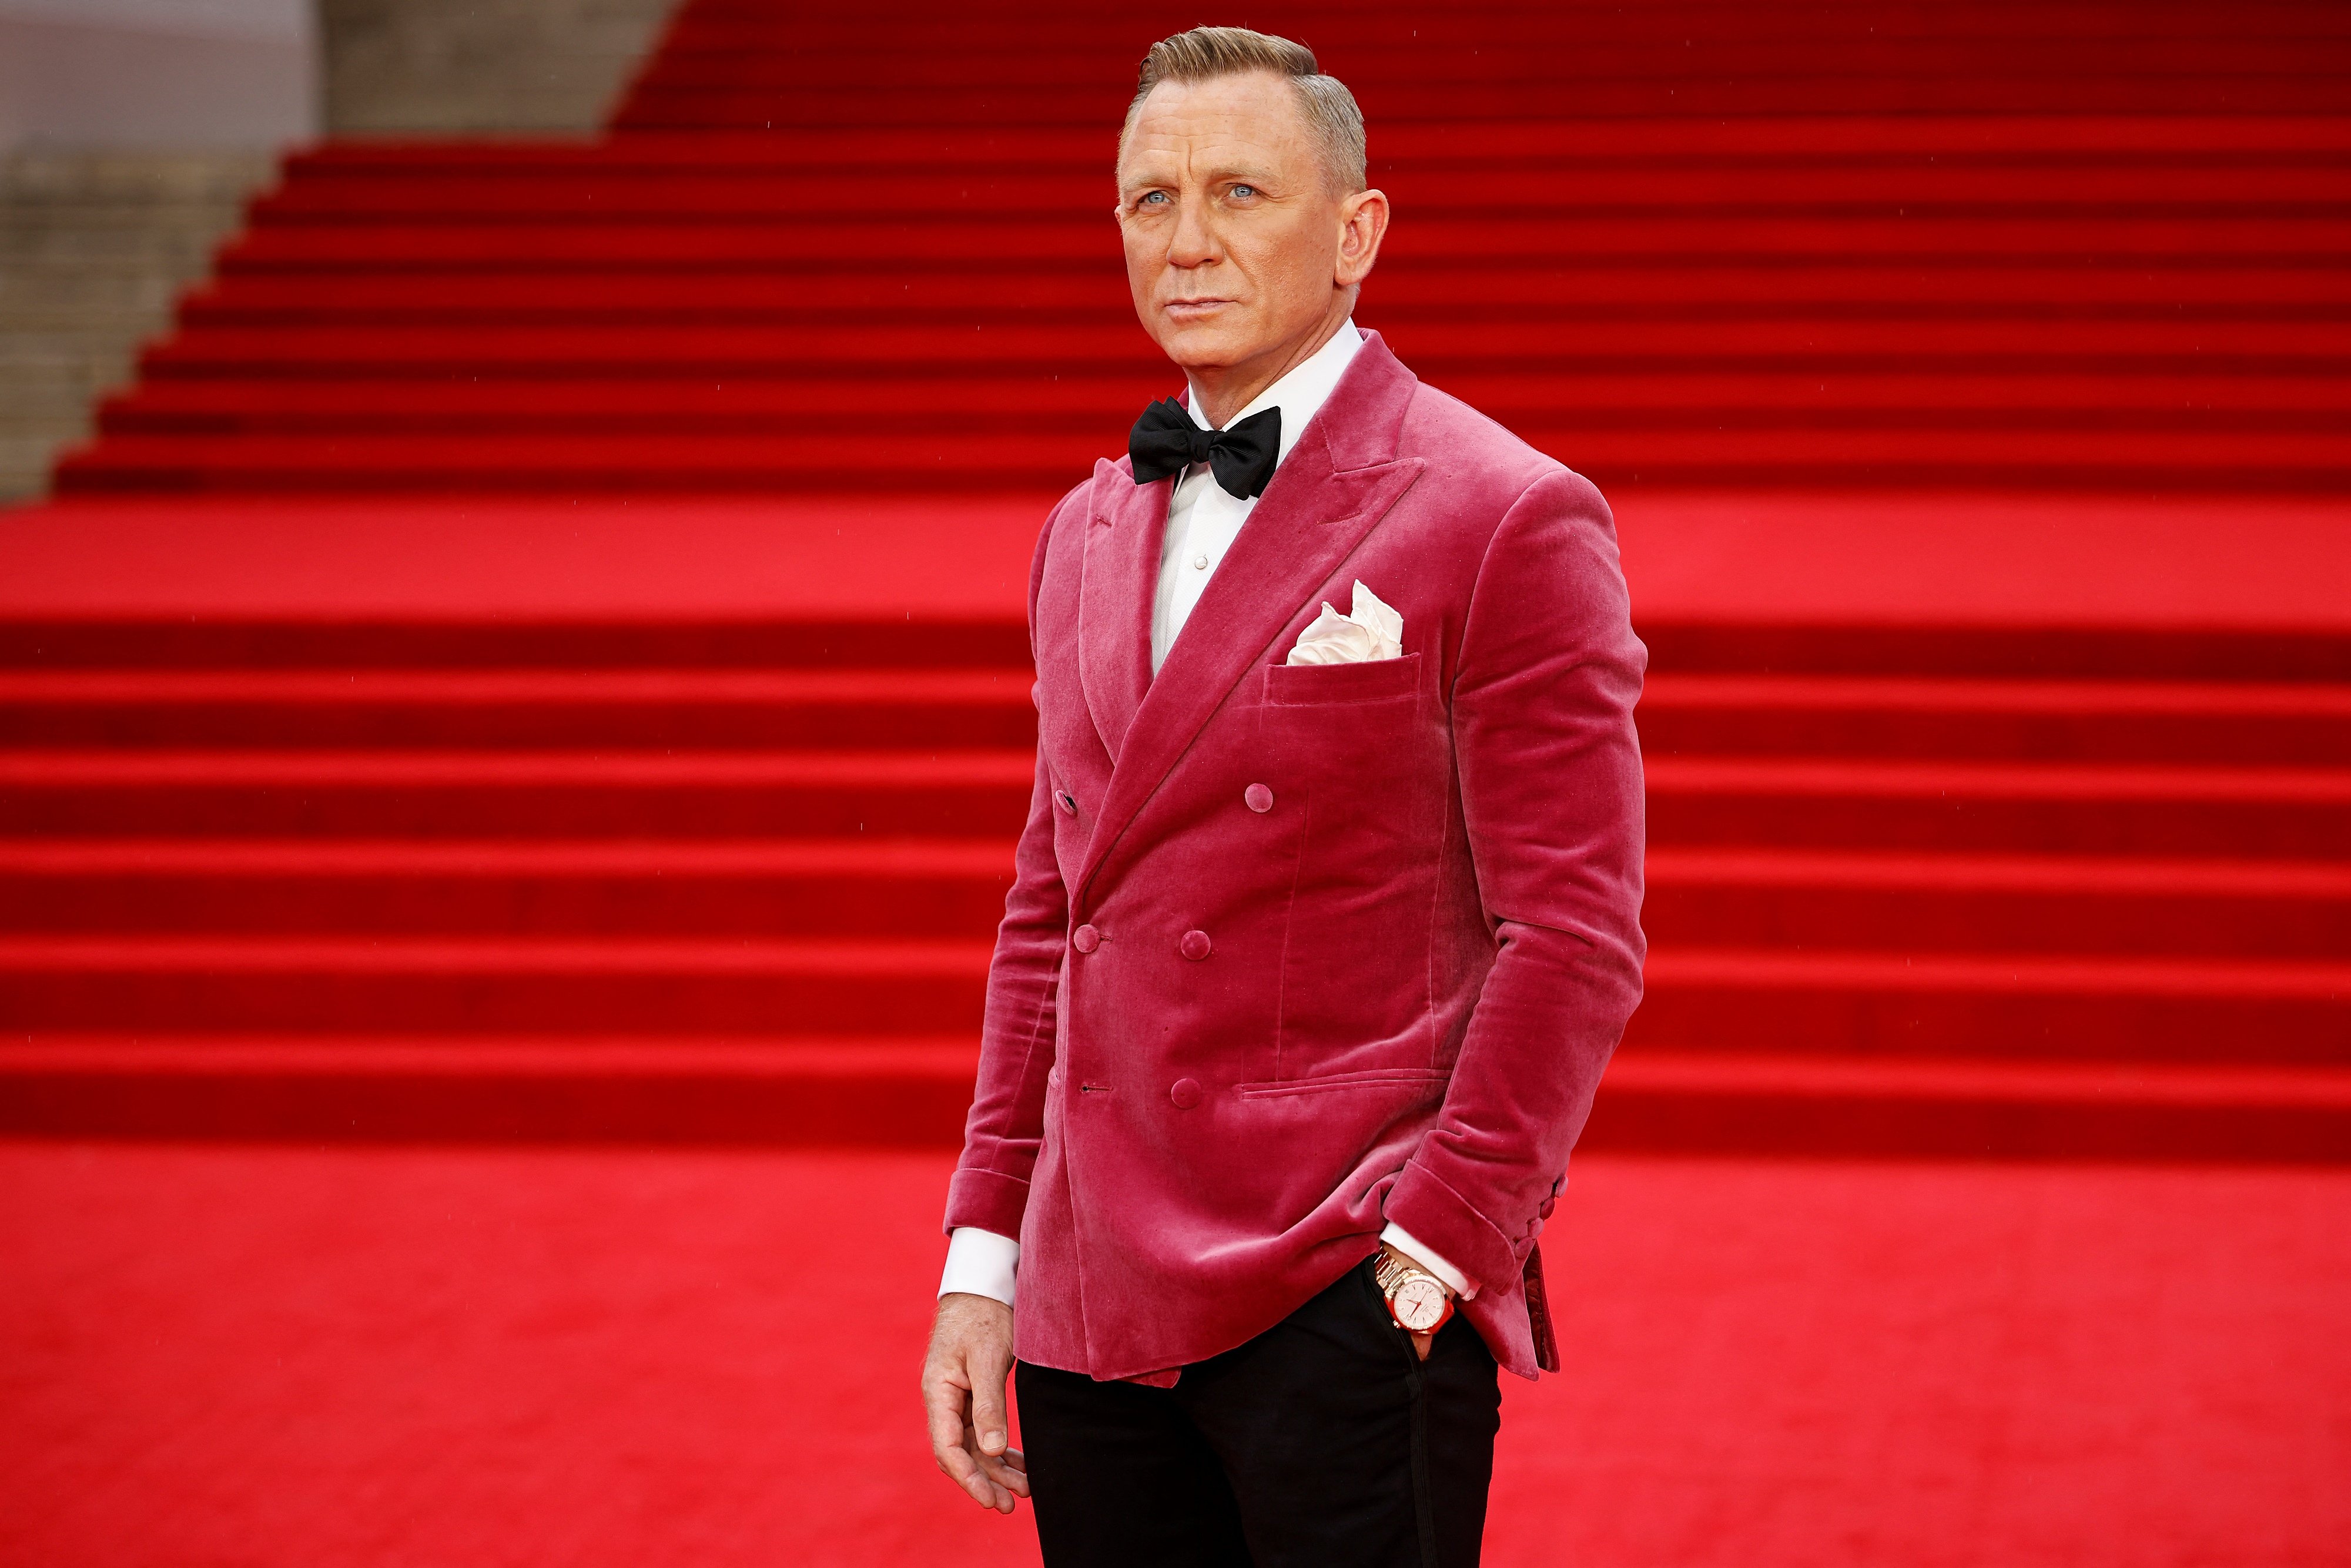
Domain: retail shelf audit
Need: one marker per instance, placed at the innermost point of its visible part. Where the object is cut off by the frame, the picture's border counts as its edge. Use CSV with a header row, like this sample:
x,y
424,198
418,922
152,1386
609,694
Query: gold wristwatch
x,y
1417,1299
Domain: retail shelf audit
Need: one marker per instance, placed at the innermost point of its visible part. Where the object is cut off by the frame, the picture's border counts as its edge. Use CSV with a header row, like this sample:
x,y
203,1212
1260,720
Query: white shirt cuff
x,y
1422,1253
982,1263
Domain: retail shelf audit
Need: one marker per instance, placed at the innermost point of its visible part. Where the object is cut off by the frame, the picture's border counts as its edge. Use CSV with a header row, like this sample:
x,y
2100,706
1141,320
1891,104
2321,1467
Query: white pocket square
x,y
1373,631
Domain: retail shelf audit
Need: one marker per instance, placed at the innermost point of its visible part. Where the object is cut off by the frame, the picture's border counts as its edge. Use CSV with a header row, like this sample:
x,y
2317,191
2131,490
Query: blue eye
x,y
1244,190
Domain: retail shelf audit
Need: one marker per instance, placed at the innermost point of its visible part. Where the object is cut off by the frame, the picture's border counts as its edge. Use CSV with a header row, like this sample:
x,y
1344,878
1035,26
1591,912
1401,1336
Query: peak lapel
x,y
1332,491
1120,572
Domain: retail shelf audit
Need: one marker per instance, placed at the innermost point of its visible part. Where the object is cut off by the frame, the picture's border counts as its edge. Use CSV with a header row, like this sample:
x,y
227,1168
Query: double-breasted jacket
x,y
1295,951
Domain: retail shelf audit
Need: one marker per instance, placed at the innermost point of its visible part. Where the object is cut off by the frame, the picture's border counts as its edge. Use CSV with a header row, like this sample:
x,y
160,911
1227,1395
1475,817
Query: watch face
x,y
1419,1305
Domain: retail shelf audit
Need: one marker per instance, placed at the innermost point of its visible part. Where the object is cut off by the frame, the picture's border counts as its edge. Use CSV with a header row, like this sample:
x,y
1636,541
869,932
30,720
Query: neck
x,y
1223,390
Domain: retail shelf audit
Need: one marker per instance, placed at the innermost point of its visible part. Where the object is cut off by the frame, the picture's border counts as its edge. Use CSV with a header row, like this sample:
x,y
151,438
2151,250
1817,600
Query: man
x,y
1325,920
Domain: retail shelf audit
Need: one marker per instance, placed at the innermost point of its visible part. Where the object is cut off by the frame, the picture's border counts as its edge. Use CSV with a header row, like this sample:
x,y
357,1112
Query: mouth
x,y
1194,310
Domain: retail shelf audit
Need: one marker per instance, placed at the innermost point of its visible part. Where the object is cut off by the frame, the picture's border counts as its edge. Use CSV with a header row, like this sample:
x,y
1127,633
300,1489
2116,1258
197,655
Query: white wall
x,y
158,73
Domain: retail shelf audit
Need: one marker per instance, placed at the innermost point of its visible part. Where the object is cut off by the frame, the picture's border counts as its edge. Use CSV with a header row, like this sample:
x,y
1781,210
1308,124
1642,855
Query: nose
x,y
1194,242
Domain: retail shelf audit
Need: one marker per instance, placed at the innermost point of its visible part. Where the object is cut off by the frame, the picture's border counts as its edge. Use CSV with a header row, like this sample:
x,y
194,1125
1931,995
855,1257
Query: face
x,y
1237,248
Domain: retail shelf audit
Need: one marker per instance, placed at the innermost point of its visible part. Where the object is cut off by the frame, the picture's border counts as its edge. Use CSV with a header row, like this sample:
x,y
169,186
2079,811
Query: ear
x,y
1362,223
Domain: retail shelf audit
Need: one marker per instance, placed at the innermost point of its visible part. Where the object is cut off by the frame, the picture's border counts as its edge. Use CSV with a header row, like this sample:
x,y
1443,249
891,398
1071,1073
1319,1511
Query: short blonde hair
x,y
1204,54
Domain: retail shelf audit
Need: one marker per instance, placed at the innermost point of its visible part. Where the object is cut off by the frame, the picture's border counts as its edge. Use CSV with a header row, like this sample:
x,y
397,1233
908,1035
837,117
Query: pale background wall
x,y
185,74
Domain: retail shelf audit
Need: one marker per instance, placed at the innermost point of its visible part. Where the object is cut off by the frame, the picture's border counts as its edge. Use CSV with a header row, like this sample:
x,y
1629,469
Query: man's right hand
x,y
963,1393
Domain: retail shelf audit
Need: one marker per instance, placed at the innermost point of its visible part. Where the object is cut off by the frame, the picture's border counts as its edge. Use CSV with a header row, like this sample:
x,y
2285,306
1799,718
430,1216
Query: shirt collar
x,y
1300,394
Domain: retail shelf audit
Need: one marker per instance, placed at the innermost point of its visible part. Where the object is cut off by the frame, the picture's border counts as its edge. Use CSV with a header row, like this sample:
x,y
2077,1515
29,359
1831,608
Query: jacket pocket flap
x,y
1373,680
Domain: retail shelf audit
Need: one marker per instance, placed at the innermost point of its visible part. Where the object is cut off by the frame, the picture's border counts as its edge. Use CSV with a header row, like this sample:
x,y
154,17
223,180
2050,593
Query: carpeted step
x,y
1979,1005
1657,1100
577,461
2073,191
498,711
1776,645
1944,902
537,794
361,645
2161,343
2046,720
673,401
2059,809
819,243
474,984
1084,108
1424,284
1796,455
763,888
445,1088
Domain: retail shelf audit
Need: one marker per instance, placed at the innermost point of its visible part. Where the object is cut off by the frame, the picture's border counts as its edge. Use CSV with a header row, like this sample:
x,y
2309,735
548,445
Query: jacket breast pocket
x,y
1371,681
1361,751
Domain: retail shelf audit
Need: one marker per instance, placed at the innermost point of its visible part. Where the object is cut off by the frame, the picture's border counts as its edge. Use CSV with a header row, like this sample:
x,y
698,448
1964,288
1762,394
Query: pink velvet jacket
x,y
1295,951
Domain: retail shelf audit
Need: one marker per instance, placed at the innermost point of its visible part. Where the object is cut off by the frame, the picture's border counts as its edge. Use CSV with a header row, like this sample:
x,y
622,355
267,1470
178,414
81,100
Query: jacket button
x,y
1194,945
1257,798
1186,1092
1066,801
1085,938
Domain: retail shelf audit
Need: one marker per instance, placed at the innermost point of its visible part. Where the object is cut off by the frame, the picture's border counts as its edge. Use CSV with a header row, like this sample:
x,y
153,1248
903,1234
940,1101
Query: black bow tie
x,y
1165,441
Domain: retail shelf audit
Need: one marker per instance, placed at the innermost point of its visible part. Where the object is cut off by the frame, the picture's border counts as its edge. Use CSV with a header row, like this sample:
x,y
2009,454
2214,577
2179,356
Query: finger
x,y
1421,1342
1012,1477
988,1415
985,1487
942,1403
951,1448
964,1471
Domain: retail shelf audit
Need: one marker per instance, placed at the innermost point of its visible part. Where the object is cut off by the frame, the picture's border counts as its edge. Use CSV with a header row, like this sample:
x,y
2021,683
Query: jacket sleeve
x,y
1550,775
1007,1124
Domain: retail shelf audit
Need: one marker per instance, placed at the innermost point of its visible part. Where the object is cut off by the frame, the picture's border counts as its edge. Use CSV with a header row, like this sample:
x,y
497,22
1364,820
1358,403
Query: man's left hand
x,y
1420,1342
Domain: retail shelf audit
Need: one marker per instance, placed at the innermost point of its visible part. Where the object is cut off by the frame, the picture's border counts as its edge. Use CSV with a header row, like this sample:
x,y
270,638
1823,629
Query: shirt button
x,y
1194,945
1199,563
1186,1092
1085,938
1066,801
1257,798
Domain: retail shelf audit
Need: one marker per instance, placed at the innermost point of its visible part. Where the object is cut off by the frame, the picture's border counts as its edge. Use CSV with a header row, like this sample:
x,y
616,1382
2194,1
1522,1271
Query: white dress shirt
x,y
1203,520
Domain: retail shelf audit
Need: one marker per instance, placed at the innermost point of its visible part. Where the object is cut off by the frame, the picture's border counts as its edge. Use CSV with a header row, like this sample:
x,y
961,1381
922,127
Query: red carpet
x,y
687,818
314,1358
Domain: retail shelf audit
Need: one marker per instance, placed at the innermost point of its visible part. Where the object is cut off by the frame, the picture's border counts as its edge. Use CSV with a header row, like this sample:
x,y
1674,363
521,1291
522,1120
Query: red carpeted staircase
x,y
2116,302
1924,888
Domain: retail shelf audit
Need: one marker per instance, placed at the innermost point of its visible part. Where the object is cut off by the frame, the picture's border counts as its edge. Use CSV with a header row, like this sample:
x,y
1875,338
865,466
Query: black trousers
x,y
1325,1441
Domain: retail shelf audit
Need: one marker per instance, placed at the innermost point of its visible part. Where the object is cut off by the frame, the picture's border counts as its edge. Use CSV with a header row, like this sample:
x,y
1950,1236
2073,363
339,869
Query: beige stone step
x,y
482,67
95,249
